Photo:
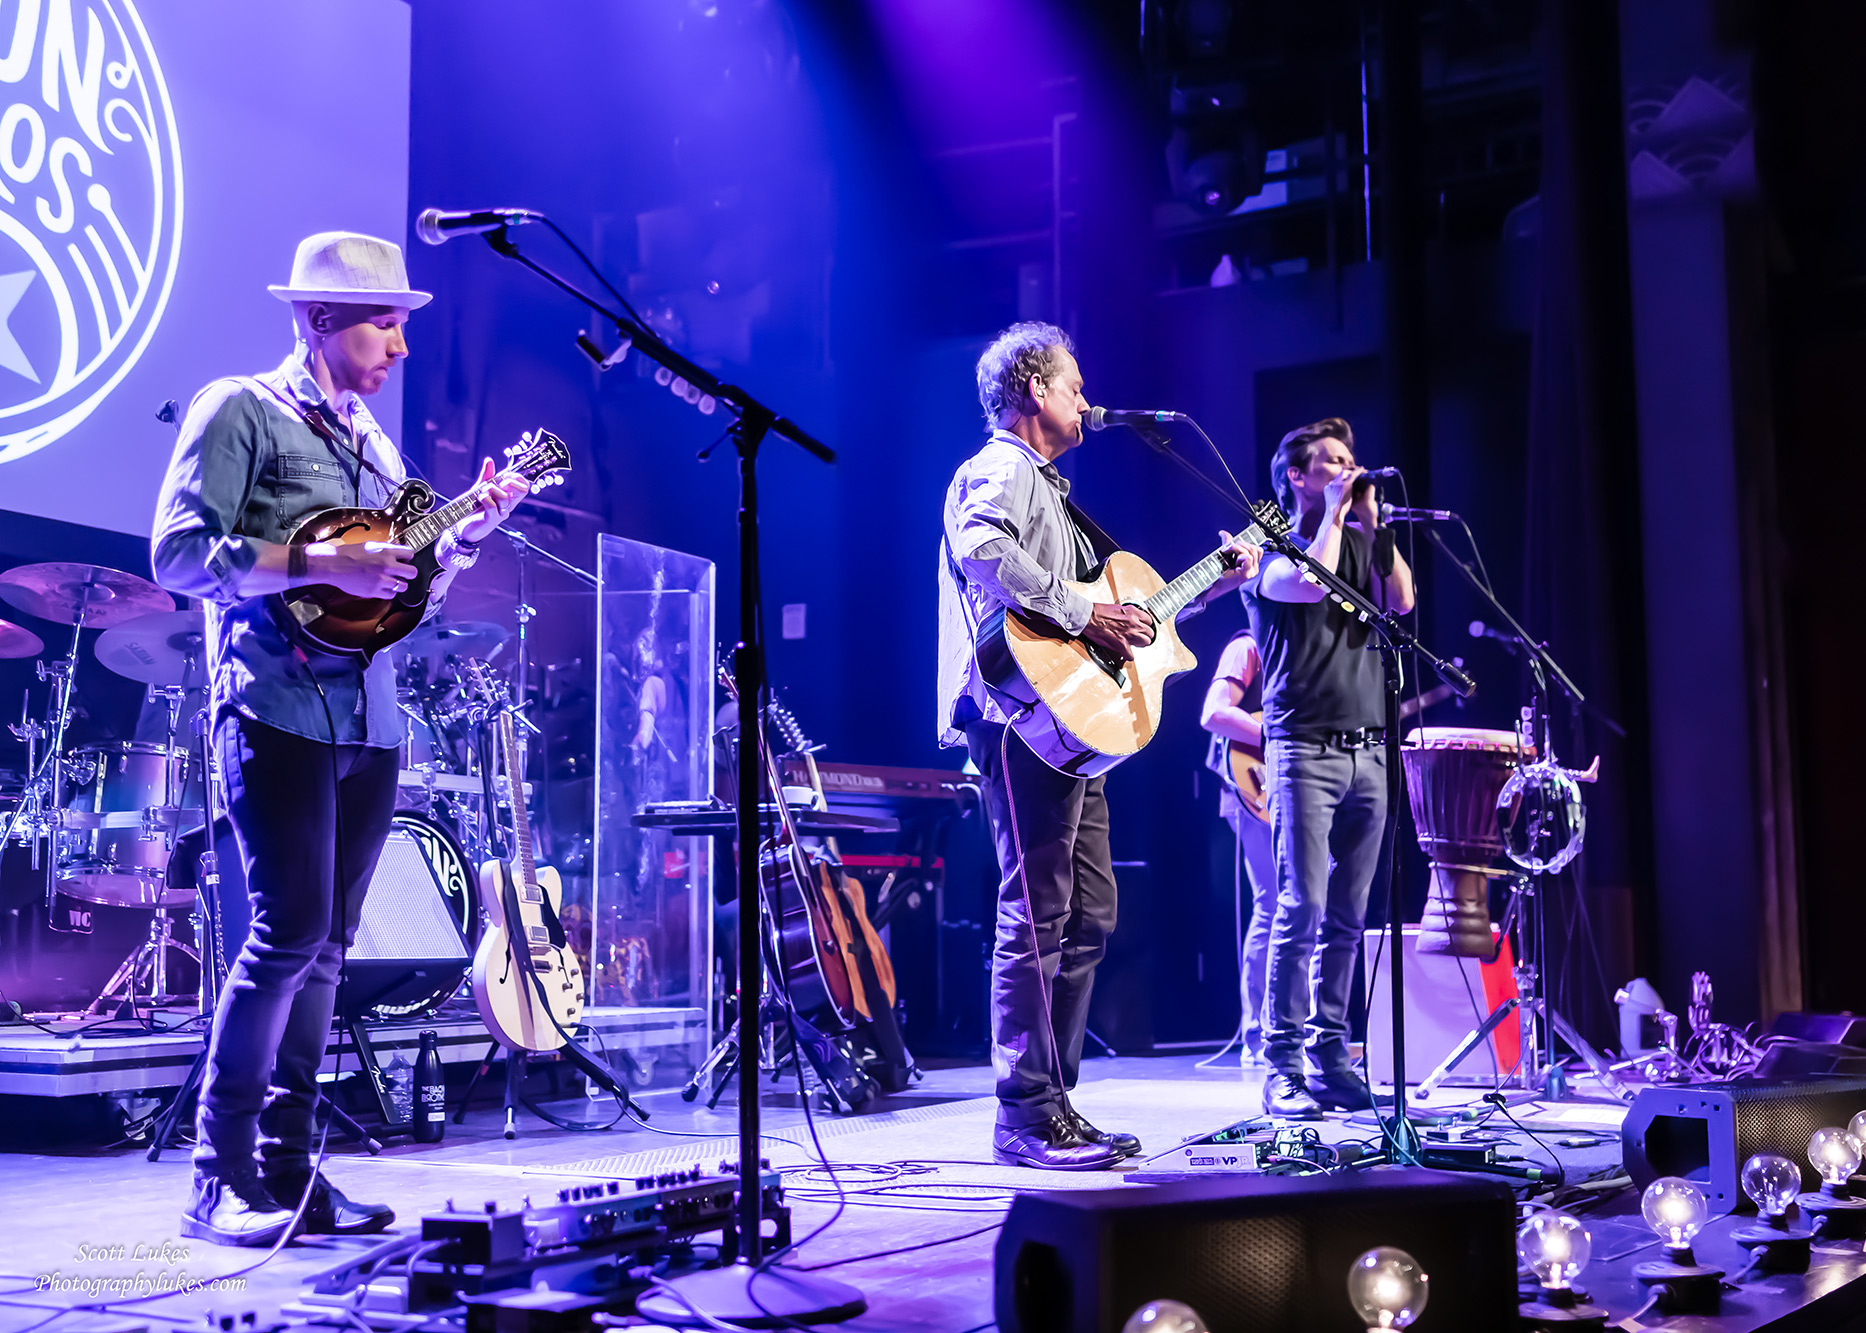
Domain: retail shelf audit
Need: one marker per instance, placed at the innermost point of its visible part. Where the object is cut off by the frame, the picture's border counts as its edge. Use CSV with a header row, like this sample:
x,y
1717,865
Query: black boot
x,y
329,1211
234,1208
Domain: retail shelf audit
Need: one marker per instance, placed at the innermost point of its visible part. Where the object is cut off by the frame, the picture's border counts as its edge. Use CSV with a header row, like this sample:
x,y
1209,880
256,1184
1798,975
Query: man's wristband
x,y
297,563
1383,551
459,553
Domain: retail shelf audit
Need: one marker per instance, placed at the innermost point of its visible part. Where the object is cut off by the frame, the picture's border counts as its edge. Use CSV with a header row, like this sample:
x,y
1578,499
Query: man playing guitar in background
x,y
1233,714
307,742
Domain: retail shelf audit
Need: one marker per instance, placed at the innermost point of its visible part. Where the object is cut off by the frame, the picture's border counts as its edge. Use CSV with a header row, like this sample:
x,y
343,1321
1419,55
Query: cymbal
x,y
461,638
17,641
157,649
58,590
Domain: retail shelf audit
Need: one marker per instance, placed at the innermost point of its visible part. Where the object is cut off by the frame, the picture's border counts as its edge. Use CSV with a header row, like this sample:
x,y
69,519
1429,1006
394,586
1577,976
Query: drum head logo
x,y
90,210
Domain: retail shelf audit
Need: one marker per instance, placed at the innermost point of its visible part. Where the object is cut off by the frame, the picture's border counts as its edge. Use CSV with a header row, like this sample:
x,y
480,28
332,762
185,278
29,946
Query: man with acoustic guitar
x,y
307,741
1011,540
1325,729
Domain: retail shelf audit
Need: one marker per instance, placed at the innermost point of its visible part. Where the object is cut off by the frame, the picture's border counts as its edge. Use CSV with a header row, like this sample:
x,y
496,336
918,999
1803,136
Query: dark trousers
x,y
290,808
1056,909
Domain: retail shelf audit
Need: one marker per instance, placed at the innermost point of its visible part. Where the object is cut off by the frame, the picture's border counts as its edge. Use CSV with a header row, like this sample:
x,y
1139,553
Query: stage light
x,y
1857,1128
1772,1182
1676,1210
1165,1317
1836,1156
1387,1287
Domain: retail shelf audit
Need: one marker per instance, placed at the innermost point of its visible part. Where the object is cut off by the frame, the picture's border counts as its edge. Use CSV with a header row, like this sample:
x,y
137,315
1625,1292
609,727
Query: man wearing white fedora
x,y
307,742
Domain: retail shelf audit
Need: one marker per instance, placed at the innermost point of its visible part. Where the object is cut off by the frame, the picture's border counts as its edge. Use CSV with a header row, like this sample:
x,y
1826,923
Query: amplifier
x,y
1705,1133
1254,1254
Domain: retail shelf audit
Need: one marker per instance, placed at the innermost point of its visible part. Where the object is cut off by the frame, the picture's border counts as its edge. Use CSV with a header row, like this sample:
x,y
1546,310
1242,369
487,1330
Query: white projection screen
x,y
159,162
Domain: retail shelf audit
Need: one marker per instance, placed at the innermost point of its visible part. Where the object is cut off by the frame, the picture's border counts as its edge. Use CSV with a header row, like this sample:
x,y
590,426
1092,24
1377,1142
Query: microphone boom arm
x,y
751,413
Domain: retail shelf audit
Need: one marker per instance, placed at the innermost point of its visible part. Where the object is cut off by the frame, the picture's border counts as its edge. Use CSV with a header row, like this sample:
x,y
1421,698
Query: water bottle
x,y
398,1088
430,1093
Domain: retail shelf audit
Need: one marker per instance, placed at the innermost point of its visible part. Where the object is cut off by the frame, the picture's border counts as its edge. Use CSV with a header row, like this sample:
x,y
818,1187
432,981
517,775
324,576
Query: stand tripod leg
x,y
1579,1044
1471,1042
725,1053
165,1127
726,1069
348,1127
485,1067
514,1075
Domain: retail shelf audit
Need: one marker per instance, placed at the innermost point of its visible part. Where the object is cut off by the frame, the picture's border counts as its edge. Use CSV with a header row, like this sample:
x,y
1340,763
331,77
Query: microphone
x,y
1479,630
437,224
1100,418
1453,675
1398,514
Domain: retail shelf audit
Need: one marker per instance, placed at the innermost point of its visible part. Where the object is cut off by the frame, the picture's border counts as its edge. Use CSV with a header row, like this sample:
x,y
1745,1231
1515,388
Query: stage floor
x,y
919,1174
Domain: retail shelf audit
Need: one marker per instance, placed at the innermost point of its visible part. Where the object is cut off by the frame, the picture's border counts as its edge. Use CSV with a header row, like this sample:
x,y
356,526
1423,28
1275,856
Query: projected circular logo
x,y
90,210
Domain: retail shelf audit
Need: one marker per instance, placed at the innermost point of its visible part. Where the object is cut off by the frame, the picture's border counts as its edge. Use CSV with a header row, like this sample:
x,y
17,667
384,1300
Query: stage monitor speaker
x,y
1705,1133
1826,1029
1254,1254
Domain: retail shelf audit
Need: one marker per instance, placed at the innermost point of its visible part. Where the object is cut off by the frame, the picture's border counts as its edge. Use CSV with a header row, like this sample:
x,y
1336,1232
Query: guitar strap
x,y
553,926
1100,542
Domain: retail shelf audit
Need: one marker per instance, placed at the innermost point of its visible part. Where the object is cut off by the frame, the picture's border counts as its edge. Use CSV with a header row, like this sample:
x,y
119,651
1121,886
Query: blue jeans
x,y
1255,849
1328,813
274,1017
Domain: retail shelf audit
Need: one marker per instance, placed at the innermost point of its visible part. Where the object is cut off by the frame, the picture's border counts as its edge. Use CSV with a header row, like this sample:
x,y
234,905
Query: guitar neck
x,y
1169,601
427,529
521,818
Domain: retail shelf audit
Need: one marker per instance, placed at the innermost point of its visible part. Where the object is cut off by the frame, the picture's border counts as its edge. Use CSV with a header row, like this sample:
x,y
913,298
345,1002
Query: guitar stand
x,y
514,1077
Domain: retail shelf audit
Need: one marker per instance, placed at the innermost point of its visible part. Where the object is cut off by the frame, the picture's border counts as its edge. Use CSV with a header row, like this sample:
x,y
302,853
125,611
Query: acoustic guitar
x,y
1251,781
1082,708
814,943
527,983
326,619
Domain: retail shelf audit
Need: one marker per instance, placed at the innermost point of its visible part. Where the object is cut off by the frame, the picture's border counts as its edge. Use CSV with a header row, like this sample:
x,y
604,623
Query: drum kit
x,y
110,823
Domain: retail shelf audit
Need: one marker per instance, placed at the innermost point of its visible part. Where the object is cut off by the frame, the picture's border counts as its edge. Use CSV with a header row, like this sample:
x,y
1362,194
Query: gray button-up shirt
x,y
246,466
1009,541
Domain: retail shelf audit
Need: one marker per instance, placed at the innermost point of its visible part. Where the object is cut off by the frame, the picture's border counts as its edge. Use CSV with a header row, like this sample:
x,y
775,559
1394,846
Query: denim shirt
x,y
246,466
1009,541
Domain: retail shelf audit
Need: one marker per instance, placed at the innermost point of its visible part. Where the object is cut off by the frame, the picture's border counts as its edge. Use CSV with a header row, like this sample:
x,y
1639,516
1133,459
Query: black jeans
x,y
1056,909
291,807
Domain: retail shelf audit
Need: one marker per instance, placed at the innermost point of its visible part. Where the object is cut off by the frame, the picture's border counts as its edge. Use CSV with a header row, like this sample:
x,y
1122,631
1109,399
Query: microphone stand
x,y
786,1294
1394,638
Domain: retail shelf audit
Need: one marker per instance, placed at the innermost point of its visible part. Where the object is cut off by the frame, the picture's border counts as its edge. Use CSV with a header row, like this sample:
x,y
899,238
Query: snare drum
x,y
1453,775
124,805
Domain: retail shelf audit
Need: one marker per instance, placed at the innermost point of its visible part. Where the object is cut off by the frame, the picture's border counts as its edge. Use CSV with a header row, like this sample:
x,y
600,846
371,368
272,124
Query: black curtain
x,y
1584,589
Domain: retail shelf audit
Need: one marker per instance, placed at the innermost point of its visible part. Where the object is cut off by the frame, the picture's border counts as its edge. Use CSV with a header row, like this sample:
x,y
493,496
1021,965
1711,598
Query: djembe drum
x,y
1453,776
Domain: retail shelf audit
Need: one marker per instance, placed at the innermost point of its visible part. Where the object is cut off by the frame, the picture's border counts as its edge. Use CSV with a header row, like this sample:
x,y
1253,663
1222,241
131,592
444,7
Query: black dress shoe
x,y
1344,1090
1050,1145
1125,1144
1285,1098
329,1211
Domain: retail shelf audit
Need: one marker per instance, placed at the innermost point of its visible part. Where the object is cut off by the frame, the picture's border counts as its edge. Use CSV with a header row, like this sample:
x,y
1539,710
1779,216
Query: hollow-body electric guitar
x,y
327,619
527,983
1082,708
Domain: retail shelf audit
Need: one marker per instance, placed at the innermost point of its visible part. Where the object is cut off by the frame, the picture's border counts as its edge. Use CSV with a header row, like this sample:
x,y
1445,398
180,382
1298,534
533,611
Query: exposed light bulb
x,y
1387,1287
1165,1317
1675,1209
1555,1246
1857,1128
1772,1182
1834,1154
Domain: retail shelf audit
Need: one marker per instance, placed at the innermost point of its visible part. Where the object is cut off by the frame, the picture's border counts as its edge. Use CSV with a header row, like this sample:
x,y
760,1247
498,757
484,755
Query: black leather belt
x,y
1364,738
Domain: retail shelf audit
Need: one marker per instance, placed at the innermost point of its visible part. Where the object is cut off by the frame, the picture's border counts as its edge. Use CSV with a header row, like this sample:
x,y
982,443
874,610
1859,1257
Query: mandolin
x,y
1251,781
326,619
527,984
1082,708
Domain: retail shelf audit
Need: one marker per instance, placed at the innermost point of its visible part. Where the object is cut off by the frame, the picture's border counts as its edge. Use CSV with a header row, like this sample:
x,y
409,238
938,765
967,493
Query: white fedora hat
x,y
351,268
